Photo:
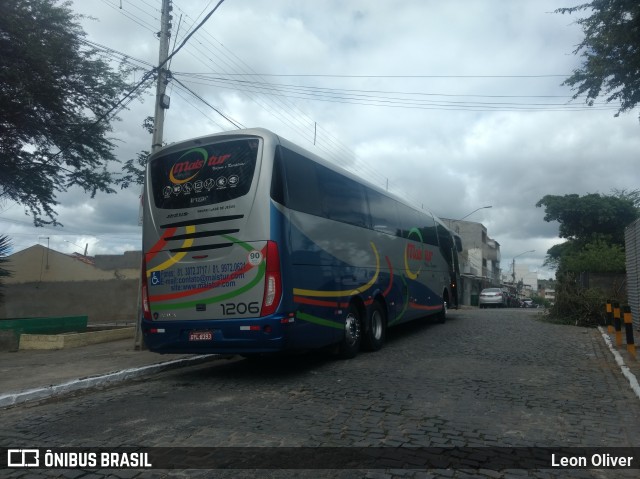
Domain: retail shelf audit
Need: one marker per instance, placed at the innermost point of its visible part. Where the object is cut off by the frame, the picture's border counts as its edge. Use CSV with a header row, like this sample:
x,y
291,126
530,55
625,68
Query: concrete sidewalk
x,y
28,375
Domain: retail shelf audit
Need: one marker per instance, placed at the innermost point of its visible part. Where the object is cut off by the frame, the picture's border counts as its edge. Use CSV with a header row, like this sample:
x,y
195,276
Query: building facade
x,y
479,259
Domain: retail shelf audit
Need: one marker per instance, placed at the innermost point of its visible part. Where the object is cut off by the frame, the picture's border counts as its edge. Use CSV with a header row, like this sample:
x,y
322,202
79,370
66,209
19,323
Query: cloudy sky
x,y
454,105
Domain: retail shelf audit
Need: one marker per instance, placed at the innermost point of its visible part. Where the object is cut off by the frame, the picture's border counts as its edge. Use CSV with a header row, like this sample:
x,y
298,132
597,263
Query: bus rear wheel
x,y
350,345
376,329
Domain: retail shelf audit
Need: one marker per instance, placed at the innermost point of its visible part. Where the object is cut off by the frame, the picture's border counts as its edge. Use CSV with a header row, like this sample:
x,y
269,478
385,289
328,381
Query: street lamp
x,y
513,264
481,208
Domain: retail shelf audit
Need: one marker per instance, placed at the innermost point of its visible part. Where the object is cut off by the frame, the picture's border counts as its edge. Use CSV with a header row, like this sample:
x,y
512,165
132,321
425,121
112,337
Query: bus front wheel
x,y
442,315
350,344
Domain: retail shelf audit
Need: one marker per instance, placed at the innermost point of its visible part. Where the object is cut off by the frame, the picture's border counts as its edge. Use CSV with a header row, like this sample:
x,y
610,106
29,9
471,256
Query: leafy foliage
x,y
576,305
556,252
54,89
133,169
589,217
594,226
610,51
596,257
633,196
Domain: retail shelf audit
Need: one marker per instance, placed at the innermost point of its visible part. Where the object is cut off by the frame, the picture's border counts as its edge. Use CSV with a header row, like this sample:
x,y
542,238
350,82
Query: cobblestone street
x,y
489,378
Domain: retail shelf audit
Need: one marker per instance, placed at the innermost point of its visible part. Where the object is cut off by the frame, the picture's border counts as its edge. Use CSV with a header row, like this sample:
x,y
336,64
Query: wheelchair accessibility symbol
x,y
156,278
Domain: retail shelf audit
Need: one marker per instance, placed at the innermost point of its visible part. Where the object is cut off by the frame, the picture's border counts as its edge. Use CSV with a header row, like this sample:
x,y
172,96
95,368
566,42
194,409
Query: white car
x,y
492,297
527,303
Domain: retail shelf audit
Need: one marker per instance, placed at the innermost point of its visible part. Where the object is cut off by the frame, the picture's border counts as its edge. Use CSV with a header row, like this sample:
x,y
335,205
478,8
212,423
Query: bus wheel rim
x,y
376,325
351,329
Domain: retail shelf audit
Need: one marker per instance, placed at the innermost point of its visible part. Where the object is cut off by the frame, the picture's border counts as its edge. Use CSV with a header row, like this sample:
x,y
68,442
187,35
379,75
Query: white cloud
x,y
459,152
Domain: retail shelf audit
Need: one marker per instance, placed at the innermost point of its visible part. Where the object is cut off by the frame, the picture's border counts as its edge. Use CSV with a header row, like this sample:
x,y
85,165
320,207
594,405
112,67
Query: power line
x,y
328,75
344,96
116,54
132,17
187,100
204,20
220,77
234,123
228,58
128,97
333,149
293,120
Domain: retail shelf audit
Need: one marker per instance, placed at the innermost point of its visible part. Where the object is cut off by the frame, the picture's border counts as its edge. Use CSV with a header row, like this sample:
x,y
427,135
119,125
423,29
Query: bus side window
x,y
277,178
446,243
384,215
410,221
302,193
428,230
344,200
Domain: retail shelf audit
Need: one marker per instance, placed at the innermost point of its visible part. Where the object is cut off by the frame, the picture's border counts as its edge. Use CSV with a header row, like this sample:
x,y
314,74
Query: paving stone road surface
x,y
486,378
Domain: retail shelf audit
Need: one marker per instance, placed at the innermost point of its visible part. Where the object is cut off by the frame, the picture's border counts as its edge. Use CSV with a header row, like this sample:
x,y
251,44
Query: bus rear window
x,y
204,175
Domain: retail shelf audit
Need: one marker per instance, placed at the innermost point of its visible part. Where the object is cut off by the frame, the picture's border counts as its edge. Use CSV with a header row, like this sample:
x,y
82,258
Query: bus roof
x,y
265,133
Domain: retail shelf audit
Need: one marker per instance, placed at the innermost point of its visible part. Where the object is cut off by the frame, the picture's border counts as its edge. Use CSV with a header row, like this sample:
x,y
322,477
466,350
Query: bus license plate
x,y
200,335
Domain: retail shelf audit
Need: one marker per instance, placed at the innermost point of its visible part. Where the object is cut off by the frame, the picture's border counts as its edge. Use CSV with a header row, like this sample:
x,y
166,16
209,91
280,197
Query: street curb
x,y
37,394
633,381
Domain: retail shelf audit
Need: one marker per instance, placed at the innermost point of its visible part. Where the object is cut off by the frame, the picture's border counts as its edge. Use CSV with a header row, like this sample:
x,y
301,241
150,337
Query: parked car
x,y
492,297
527,303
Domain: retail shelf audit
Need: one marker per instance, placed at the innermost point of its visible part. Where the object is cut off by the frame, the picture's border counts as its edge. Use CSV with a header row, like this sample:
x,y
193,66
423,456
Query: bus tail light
x,y
144,293
272,280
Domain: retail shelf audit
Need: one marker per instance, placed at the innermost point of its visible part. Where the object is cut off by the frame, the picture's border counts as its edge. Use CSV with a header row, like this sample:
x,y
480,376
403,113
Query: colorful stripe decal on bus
x,y
388,290
408,253
337,304
346,292
316,302
174,259
183,294
216,299
215,284
319,321
162,242
425,307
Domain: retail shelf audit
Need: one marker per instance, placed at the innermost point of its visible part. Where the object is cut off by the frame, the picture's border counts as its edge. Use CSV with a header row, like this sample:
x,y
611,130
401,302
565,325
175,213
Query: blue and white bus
x,y
253,245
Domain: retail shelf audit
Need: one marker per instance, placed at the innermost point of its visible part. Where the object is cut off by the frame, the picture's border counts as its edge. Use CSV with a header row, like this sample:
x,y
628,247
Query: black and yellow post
x,y
628,326
617,324
609,317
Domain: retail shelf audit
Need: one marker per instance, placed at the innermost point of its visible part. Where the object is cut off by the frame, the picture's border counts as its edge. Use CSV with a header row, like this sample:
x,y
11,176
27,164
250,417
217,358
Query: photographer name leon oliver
x,y
596,460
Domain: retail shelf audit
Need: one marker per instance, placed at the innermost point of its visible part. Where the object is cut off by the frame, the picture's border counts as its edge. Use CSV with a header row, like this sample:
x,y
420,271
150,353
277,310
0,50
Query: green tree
x,y
594,227
55,91
595,257
586,218
557,252
610,51
133,169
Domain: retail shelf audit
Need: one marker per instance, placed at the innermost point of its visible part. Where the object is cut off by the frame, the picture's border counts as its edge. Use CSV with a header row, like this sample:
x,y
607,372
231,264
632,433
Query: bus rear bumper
x,y
242,336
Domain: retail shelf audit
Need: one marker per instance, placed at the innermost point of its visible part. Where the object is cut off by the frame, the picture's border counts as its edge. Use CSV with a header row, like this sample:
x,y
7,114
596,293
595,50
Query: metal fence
x,y
632,248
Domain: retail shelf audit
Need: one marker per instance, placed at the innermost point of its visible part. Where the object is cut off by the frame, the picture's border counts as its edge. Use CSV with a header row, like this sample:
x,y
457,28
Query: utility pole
x,y
162,103
162,100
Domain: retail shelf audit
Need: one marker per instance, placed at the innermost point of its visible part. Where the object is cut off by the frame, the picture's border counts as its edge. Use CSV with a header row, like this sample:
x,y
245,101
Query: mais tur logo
x,y
416,256
191,163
